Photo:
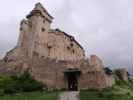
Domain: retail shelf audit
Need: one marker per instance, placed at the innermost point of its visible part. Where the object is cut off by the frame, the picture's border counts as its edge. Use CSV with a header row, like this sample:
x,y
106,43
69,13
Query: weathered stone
x,y
96,63
110,80
122,74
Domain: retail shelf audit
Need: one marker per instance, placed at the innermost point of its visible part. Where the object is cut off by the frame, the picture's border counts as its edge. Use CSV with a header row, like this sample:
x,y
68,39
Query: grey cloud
x,y
8,35
103,27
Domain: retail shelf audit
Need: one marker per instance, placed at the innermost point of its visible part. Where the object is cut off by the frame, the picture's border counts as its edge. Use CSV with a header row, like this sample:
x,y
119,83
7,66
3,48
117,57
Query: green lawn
x,y
89,95
31,96
121,91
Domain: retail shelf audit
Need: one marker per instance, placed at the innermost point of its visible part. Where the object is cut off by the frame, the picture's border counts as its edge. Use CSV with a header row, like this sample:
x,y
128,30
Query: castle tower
x,y
38,39
23,41
40,18
34,31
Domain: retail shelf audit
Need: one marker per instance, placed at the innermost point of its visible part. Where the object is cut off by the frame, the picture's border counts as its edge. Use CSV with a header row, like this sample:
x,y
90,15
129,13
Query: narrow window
x,y
73,51
71,44
44,21
68,48
21,28
43,29
35,54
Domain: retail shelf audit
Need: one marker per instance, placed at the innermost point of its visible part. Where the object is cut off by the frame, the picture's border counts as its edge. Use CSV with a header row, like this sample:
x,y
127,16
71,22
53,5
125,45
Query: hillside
x,y
120,91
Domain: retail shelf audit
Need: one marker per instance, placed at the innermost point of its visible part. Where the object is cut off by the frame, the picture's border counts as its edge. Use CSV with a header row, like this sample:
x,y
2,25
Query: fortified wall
x,y
37,38
53,57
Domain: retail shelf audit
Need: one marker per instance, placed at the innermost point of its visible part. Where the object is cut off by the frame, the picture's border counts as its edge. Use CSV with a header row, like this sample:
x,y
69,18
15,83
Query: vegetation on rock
x,y
120,91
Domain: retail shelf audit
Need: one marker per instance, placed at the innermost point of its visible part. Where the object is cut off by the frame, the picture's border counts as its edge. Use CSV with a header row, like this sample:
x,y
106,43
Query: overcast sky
x,y
103,27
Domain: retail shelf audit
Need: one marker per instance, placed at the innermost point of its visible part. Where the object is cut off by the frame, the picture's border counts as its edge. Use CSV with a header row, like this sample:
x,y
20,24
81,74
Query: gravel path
x,y
71,95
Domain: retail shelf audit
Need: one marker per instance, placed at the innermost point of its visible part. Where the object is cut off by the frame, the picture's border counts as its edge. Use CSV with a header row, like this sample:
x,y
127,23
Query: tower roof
x,y
39,9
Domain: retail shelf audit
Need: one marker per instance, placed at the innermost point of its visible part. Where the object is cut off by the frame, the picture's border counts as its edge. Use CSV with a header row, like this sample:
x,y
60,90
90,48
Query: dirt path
x,y
69,96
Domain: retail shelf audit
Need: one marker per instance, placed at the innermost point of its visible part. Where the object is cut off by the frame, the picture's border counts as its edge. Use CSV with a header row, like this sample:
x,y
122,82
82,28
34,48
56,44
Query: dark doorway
x,y
72,76
72,82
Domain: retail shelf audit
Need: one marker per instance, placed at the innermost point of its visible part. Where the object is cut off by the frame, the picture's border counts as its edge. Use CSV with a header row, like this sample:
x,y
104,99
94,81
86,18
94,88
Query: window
x,y
35,54
68,48
73,51
71,44
49,47
21,28
44,21
42,56
43,29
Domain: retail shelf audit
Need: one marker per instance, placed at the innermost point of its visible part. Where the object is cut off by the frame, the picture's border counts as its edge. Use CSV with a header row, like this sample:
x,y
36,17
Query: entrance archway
x,y
72,76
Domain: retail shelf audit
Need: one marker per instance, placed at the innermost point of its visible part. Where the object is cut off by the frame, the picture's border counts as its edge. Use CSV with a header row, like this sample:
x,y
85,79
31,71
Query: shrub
x,y
21,83
26,83
1,92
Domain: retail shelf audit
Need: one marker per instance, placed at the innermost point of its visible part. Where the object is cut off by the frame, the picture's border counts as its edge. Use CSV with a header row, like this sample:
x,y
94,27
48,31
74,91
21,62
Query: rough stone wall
x,y
122,74
47,53
94,74
92,80
61,47
96,63
110,80
36,39
51,73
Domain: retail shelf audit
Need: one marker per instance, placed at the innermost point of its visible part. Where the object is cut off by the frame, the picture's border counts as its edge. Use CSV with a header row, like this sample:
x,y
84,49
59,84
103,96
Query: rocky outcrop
x,y
122,74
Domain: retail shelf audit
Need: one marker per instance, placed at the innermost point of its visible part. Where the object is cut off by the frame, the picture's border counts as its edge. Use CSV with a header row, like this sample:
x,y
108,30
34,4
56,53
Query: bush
x,y
1,92
122,83
26,83
6,84
21,83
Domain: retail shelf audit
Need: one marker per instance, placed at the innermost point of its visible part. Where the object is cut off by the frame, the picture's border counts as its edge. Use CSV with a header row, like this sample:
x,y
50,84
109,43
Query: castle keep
x,y
37,38
54,57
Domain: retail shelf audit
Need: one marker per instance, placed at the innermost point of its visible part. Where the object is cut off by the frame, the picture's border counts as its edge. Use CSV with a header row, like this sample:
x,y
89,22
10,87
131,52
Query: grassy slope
x,y
31,96
108,96
118,92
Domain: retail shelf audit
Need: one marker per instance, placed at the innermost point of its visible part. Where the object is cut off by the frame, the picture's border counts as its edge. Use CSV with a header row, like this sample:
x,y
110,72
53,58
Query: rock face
x,y
54,57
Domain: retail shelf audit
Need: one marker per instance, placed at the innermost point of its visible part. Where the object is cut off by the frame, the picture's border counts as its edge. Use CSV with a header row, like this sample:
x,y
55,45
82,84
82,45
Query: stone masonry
x,y
53,57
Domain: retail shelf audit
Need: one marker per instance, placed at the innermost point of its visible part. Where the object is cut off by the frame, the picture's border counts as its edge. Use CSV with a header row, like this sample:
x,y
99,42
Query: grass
x,y
122,91
31,96
89,95
117,92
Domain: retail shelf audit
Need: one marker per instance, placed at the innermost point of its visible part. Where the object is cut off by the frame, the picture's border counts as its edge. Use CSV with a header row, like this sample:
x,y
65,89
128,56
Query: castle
x,y
37,38
54,57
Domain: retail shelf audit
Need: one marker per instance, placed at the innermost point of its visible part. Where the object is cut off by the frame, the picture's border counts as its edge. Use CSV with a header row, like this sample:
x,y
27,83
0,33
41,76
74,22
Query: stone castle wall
x,y
122,74
63,47
36,38
51,73
47,53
